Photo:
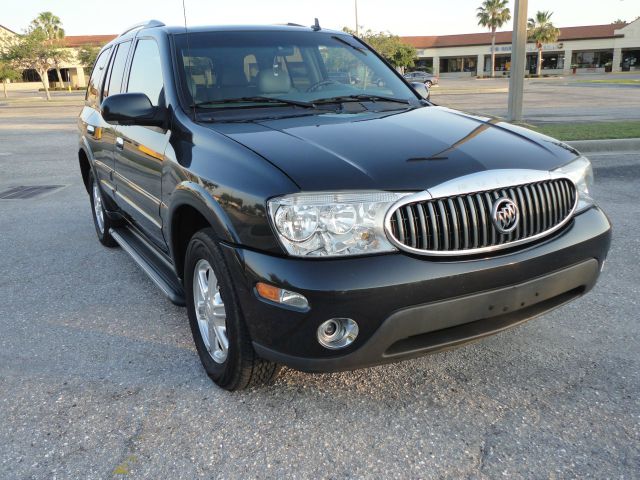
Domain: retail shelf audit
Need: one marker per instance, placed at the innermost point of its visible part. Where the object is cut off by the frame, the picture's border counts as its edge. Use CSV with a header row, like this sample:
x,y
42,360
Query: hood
x,y
402,151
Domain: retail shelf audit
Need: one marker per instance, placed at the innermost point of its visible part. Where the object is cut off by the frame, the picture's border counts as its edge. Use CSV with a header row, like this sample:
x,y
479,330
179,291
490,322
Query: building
x,y
72,72
590,49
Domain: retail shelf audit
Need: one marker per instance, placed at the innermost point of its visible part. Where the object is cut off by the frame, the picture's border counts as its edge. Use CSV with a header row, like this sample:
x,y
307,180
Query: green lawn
x,y
614,81
590,131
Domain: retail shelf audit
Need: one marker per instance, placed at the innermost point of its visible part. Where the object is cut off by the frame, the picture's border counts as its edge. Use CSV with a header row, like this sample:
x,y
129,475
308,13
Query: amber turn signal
x,y
282,296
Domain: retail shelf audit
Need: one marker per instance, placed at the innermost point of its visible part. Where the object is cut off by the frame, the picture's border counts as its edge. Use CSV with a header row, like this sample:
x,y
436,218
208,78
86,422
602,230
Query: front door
x,y
139,151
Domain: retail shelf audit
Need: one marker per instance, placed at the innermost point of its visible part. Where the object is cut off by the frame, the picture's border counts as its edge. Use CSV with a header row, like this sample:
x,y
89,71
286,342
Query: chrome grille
x,y
462,224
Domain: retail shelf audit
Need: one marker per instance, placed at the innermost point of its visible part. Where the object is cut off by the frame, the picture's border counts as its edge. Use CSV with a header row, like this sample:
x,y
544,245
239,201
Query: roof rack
x,y
141,25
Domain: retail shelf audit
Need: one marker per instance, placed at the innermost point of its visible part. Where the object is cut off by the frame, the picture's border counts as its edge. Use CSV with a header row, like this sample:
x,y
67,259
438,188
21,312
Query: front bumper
x,y
407,306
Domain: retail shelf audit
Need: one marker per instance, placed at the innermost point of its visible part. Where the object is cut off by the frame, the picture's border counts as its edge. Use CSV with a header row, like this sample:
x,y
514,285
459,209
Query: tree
x,y
390,46
32,51
541,30
619,22
50,26
87,55
7,73
493,14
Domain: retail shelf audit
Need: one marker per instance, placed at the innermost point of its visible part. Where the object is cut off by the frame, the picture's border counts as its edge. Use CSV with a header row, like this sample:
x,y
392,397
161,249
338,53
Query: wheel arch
x,y
85,166
192,208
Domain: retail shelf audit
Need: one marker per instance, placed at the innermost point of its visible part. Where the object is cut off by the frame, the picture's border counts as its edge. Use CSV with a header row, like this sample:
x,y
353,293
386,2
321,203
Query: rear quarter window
x,y
97,74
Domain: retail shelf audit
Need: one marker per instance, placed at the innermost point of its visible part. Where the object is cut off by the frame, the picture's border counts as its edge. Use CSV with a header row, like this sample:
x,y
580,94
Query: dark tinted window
x,y
146,72
96,76
117,70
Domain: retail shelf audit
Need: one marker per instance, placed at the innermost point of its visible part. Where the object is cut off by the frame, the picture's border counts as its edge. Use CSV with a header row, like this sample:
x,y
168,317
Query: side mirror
x,y
421,89
131,109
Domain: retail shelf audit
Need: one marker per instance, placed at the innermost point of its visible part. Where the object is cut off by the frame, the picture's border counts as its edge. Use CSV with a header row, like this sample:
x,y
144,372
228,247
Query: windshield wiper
x,y
360,98
256,99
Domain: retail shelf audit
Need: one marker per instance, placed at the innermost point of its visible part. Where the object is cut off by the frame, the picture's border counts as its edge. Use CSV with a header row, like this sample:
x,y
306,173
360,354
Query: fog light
x,y
337,333
282,296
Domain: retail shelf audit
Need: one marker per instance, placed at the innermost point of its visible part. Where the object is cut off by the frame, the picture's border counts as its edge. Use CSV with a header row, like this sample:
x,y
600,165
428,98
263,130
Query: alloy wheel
x,y
210,311
97,206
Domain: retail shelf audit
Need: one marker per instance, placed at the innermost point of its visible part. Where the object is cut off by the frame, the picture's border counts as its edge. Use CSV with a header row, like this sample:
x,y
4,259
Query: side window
x,y
146,71
117,70
96,77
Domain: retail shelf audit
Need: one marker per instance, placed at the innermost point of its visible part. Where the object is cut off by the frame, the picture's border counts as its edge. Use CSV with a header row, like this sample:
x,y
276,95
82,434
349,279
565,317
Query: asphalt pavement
x,y
546,100
99,377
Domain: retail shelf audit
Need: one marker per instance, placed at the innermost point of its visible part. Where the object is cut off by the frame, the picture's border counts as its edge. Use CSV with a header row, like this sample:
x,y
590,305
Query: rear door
x,y
93,127
139,153
104,133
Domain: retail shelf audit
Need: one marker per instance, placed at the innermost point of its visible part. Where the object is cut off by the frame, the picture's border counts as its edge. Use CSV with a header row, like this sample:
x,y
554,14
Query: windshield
x,y
226,70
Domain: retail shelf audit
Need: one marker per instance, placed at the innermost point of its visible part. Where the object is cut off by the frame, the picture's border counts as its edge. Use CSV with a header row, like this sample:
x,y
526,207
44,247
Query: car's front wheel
x,y
217,324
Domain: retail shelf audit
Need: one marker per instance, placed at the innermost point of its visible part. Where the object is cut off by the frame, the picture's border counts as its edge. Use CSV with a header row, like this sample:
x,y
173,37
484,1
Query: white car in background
x,y
427,78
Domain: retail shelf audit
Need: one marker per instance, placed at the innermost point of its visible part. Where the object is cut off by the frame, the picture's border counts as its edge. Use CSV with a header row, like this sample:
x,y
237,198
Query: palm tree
x,y
493,14
51,26
541,30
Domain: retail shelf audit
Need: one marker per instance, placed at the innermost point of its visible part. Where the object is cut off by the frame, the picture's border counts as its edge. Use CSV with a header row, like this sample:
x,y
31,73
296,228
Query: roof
x,y
8,29
249,28
101,40
469,39
82,40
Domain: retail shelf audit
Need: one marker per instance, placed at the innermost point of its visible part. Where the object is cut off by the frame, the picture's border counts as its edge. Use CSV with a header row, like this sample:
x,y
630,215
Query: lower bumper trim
x,y
436,326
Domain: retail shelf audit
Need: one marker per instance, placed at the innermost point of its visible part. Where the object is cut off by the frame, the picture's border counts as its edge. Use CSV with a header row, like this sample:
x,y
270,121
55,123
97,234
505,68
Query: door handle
x,y
120,143
91,129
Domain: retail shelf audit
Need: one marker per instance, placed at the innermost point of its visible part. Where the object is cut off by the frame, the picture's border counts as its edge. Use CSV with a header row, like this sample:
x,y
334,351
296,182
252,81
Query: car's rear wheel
x,y
217,323
100,219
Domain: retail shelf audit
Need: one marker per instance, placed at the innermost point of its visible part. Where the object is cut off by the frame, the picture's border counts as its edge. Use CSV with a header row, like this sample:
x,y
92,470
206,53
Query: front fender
x,y
197,197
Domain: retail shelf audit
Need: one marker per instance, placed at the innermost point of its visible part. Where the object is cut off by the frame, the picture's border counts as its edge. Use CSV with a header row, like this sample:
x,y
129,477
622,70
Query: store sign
x,y
531,47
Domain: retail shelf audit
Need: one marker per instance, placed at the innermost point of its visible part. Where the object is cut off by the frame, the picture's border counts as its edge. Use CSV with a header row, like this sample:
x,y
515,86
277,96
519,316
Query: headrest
x,y
191,85
271,81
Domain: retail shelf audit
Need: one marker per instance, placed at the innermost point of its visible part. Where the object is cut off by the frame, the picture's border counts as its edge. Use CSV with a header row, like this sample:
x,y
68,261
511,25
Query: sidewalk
x,y
607,146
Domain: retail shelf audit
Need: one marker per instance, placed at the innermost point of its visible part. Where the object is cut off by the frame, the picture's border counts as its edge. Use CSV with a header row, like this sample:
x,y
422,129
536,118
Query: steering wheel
x,y
321,84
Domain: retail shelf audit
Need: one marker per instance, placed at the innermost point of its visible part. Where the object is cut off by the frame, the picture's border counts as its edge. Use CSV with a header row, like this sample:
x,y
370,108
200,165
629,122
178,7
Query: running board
x,y
151,263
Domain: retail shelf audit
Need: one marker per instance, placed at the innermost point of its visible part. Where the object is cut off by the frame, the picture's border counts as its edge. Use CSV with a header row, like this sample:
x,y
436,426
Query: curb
x,y
607,146
467,92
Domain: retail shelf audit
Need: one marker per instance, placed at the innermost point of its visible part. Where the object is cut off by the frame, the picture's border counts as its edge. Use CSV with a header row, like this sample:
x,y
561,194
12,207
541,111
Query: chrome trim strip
x,y
136,188
138,209
108,185
473,183
487,180
103,166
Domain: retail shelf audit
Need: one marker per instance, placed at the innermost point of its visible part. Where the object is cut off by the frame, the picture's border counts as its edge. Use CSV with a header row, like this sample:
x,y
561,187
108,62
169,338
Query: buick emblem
x,y
505,215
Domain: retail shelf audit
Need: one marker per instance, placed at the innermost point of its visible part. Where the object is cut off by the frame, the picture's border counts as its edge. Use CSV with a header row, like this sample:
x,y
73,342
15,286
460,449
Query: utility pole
x,y
357,27
518,59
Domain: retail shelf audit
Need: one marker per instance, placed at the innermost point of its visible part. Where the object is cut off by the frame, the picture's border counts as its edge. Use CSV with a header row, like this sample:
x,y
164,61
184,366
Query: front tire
x,y
100,219
217,323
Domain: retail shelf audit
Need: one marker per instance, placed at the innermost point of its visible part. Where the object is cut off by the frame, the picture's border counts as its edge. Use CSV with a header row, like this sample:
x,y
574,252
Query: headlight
x,y
332,224
580,173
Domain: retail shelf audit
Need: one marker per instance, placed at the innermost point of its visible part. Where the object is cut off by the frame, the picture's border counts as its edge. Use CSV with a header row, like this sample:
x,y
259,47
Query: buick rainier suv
x,y
320,224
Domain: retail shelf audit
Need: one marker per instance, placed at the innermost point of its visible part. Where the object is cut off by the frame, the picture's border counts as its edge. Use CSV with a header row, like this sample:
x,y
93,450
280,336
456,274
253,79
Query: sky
x,y
401,17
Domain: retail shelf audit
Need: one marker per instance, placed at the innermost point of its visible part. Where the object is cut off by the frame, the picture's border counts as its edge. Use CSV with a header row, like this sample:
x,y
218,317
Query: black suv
x,y
320,224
